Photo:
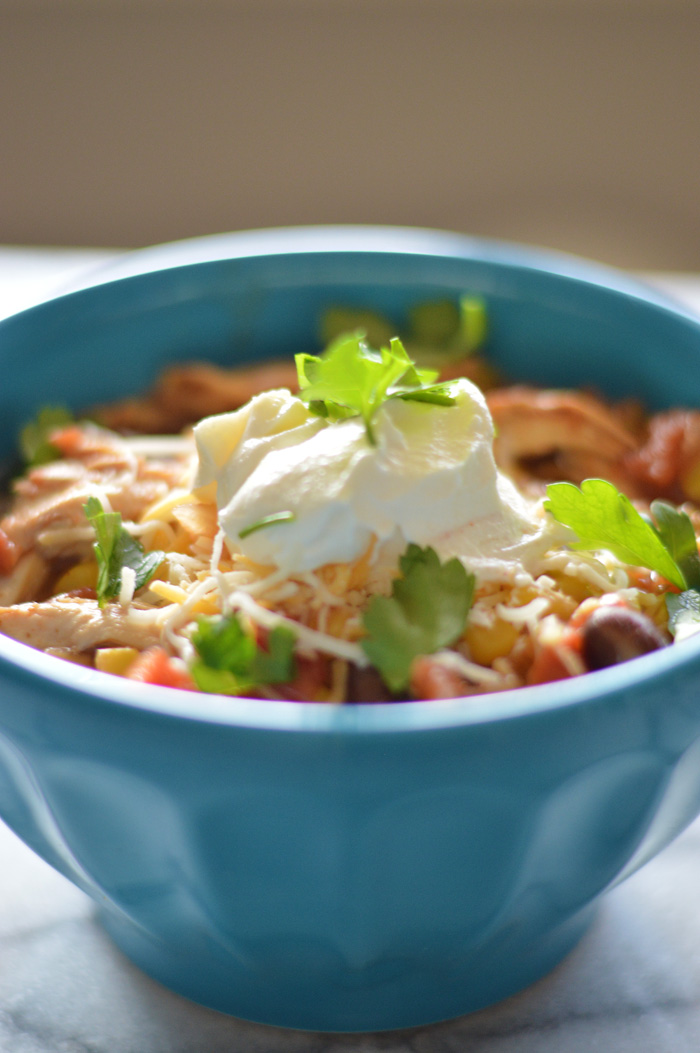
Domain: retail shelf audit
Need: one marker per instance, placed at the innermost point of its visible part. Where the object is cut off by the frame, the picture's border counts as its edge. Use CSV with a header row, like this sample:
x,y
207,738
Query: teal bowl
x,y
368,866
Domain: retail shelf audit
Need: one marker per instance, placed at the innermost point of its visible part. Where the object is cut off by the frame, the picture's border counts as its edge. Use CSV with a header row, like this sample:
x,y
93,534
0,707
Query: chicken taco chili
x,y
383,522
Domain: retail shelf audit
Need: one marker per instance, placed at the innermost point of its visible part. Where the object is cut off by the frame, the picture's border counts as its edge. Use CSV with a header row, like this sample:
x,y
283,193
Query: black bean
x,y
616,634
366,685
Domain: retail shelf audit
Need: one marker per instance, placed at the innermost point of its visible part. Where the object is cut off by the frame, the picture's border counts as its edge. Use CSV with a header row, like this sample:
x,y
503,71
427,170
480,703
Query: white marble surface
x,y
631,986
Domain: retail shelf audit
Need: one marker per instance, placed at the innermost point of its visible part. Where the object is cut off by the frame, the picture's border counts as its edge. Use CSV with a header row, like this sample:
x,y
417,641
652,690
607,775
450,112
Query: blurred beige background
x,y
567,123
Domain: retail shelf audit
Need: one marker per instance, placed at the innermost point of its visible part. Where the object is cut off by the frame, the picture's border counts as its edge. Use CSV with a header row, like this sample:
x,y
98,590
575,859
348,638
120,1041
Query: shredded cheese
x,y
128,584
311,638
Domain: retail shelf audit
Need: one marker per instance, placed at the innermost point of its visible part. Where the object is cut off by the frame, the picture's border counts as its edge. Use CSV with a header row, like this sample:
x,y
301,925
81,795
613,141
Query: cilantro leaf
x,y
427,610
676,532
276,665
34,443
603,518
225,654
350,379
230,662
683,613
115,549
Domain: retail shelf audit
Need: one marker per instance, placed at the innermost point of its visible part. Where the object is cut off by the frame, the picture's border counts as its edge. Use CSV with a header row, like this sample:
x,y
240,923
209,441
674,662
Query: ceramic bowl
x,y
366,866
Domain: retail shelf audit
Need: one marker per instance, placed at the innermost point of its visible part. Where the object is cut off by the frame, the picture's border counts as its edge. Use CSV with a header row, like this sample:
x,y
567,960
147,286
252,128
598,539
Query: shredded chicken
x,y
26,579
668,463
185,394
572,435
95,461
77,623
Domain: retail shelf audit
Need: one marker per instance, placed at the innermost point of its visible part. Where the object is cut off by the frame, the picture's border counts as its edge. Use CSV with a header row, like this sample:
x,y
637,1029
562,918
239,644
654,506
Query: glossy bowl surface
x,y
358,867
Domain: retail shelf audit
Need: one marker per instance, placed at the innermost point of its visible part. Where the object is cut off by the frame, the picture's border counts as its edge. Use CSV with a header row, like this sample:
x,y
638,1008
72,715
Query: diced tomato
x,y
69,440
312,676
650,581
431,680
547,666
155,666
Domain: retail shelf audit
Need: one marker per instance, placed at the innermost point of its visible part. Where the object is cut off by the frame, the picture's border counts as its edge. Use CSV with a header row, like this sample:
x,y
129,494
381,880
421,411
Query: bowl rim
x,y
31,667
368,238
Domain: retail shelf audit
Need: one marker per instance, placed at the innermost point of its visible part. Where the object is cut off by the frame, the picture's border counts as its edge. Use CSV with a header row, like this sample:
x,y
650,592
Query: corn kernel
x,y
114,659
486,643
81,576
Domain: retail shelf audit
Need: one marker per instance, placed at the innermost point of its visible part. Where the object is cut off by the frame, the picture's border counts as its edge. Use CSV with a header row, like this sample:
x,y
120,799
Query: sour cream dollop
x,y
430,479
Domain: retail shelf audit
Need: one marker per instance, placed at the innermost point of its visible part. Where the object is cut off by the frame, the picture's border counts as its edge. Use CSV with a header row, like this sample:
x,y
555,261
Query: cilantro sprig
x,y
350,379
604,518
229,660
115,549
426,611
